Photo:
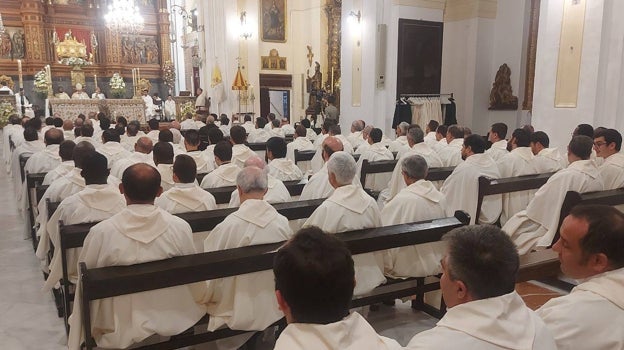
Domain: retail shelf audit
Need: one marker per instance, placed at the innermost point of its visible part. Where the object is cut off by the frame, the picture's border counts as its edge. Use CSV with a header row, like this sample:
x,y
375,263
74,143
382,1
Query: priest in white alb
x,y
112,148
191,144
226,171
145,233
607,144
461,188
546,160
497,134
591,250
376,151
66,149
163,159
318,185
133,133
279,165
314,281
419,201
246,302
430,131
142,154
451,152
259,134
484,312
300,143
27,148
536,226
79,94
48,158
350,208
355,137
276,190
401,138
240,152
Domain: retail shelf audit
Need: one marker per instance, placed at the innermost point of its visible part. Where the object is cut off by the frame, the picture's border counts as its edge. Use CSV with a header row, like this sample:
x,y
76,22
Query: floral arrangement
x,y
6,110
41,83
188,107
75,61
169,74
117,86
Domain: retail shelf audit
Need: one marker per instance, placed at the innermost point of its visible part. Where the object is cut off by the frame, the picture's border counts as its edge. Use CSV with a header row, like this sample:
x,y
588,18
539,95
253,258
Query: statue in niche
x,y
6,46
18,44
501,96
152,51
314,85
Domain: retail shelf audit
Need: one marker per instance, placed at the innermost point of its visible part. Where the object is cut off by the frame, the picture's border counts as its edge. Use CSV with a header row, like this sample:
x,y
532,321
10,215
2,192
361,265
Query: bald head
x,y
357,125
143,145
255,161
53,137
331,145
140,184
68,125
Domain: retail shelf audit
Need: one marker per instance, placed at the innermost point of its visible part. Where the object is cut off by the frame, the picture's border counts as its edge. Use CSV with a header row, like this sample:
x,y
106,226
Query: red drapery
x,y
81,35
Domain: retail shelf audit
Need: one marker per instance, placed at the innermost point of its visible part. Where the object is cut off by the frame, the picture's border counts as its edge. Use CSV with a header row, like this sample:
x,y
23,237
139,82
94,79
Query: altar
x,y
131,109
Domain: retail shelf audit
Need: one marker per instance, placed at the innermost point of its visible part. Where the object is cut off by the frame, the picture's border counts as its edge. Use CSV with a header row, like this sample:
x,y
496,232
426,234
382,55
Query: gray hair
x,y
415,134
357,125
415,167
343,166
252,179
403,126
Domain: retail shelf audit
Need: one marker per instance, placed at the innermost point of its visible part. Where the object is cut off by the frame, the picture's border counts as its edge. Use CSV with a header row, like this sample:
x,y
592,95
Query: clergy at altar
x,y
163,159
170,108
314,281
96,202
144,233
111,147
280,167
240,152
484,311
247,301
259,134
142,154
79,94
461,188
98,95
546,159
348,208
191,145
318,185
66,149
226,171
591,249
22,105
149,103
451,152
536,226
497,134
376,151
430,131
276,190
607,144
419,201
300,143
185,195
401,138
5,88
520,161
62,94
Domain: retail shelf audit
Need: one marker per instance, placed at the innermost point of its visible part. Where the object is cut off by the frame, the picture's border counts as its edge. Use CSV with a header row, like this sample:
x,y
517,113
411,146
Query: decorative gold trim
x,y
529,81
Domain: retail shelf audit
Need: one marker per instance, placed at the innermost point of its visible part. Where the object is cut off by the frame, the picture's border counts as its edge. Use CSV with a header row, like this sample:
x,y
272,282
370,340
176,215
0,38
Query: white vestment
x,y
276,193
498,323
184,198
203,165
63,96
498,150
113,151
121,165
318,141
612,171
80,95
451,154
375,152
26,149
277,132
520,161
347,147
350,208
248,126
6,88
69,135
537,225
245,302
222,176
8,132
418,202
153,135
318,186
149,105
317,161
258,136
170,109
188,124
128,142
430,138
94,203
591,316
89,139
208,154
225,129
356,139
166,175
351,333
61,170
311,135
43,161
285,170
96,96
240,153
288,129
397,144
548,160
139,233
461,189
300,144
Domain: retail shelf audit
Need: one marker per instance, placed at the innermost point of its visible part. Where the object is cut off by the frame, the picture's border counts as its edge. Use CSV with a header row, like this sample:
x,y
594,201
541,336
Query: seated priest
x,y
142,154
355,137
547,160
96,202
314,282
301,143
350,208
98,95
607,144
111,147
536,226
191,144
318,185
279,166
240,152
66,149
163,159
145,233
62,94
246,302
310,133
591,249
401,137
276,191
259,134
497,134
451,152
133,133
47,159
154,128
79,94
419,201
376,151
478,286
226,171
214,136
86,134
27,148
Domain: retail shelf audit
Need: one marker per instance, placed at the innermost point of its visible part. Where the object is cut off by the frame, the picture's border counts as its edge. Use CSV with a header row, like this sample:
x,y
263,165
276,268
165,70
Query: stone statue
x,y
18,44
501,96
6,46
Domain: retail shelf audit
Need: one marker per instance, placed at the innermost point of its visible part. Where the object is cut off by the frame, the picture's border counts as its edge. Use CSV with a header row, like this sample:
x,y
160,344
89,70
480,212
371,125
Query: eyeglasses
x,y
599,144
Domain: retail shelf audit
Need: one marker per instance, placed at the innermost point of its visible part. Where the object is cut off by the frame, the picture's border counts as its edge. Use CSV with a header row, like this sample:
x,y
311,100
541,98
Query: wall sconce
x,y
357,15
245,30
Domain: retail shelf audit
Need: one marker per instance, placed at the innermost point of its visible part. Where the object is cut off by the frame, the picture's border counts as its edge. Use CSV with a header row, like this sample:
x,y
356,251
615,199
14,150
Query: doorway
x,y
275,95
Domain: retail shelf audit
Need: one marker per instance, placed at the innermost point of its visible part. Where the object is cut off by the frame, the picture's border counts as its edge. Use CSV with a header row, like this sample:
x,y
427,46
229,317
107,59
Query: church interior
x,y
386,123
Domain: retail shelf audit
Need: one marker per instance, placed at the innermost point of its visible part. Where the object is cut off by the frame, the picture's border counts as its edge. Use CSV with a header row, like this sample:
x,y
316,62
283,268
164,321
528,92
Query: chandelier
x,y
123,17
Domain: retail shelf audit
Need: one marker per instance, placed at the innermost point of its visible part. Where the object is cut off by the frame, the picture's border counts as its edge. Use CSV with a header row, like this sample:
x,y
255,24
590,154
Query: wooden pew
x,y
304,156
106,282
32,181
489,186
377,167
73,236
223,194
22,163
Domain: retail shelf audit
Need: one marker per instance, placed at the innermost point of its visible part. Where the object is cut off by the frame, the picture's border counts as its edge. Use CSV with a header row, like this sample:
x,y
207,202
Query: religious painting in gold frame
x,y
273,20
273,61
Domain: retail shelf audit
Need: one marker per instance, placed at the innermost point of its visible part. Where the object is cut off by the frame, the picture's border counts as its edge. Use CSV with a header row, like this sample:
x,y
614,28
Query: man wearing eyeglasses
x,y
607,143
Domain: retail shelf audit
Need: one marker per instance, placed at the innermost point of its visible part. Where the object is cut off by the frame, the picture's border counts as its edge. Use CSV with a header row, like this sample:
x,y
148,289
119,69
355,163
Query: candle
x,y
19,70
95,79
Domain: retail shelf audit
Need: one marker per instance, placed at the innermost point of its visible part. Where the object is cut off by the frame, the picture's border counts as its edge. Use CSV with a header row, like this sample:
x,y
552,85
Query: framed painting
x,y
273,20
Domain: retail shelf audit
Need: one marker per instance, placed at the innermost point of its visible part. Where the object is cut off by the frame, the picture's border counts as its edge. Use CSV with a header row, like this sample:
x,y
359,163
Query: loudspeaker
x,y
380,56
